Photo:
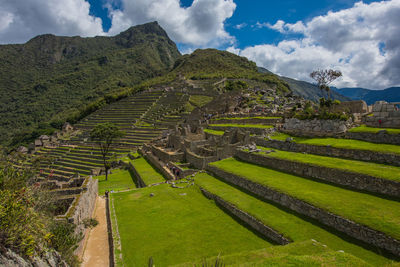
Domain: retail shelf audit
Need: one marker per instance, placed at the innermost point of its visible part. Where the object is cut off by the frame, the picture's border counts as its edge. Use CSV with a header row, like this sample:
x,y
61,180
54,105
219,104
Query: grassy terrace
x,y
288,224
214,132
289,255
246,118
377,213
146,171
369,168
341,143
242,125
176,226
118,180
200,100
366,129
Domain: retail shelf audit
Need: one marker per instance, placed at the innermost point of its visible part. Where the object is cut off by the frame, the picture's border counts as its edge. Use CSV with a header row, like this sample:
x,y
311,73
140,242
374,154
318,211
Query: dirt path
x,y
96,252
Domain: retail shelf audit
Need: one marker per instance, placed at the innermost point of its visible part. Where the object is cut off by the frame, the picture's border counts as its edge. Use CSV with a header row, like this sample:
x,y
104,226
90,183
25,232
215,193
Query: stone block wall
x,y
351,179
365,155
165,156
315,127
85,205
198,161
138,179
158,165
255,224
360,232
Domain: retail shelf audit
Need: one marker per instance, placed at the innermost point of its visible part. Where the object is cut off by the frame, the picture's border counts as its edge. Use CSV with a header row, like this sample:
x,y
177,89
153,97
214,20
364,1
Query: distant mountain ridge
x,y
391,94
307,90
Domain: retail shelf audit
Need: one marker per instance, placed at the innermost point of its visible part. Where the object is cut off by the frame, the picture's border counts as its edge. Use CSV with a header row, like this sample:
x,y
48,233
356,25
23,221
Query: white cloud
x,y
22,20
363,42
201,24
240,26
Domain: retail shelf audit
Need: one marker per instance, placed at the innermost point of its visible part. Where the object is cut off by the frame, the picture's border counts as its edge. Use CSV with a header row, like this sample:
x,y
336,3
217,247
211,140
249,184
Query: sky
x,y
288,37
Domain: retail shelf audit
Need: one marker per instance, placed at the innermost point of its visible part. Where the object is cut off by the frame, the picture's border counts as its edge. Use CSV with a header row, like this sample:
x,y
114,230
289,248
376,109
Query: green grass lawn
x,y
366,129
307,253
200,100
288,224
341,143
147,172
377,213
117,180
242,125
369,168
176,226
214,132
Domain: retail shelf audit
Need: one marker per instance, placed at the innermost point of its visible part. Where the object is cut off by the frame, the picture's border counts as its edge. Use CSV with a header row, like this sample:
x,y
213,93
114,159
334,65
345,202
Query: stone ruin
x,y
384,114
192,145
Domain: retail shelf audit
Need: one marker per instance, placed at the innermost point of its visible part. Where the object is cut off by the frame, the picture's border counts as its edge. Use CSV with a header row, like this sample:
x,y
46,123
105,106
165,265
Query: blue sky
x,y
249,13
288,37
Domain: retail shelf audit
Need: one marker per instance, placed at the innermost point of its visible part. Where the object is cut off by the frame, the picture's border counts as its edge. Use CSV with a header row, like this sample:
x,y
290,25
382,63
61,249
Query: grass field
x,y
307,253
242,125
288,224
214,132
117,180
375,212
147,172
200,100
366,129
176,226
368,168
341,143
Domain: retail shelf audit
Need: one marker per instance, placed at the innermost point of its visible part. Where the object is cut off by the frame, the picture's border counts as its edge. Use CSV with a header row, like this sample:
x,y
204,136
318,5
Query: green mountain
x,y
391,94
307,90
52,78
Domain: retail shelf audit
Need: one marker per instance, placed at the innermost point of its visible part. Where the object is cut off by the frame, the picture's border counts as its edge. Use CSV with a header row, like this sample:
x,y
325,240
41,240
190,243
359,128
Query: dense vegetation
x,y
50,79
27,225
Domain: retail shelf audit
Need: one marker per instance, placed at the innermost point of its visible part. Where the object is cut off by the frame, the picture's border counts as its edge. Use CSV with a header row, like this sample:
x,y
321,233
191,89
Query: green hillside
x,y
51,78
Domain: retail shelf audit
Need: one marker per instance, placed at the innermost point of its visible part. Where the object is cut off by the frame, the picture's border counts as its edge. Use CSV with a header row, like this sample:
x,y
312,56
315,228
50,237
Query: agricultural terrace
x,y
368,168
374,212
340,143
366,129
291,226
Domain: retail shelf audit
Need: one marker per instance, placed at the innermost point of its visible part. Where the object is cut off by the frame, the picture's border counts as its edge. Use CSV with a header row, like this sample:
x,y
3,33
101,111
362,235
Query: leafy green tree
x,y
104,134
324,78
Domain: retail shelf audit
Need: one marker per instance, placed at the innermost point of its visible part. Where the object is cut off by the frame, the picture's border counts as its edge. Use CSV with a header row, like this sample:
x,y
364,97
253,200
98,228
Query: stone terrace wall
x,y
337,222
139,181
198,161
351,179
165,156
255,224
158,165
387,114
381,137
315,127
365,155
84,207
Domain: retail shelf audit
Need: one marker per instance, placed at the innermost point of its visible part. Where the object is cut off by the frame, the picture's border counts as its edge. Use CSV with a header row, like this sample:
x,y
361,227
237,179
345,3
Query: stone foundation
x,y
351,179
360,232
321,128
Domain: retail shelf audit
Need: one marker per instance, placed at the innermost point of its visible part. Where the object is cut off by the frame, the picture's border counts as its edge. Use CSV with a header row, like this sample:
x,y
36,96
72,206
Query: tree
x,y
104,134
324,78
